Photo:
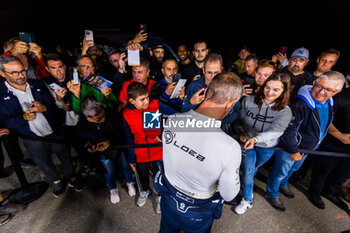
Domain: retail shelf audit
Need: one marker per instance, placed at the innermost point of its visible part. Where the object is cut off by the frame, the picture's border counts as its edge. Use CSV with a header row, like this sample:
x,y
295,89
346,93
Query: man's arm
x,y
229,183
343,137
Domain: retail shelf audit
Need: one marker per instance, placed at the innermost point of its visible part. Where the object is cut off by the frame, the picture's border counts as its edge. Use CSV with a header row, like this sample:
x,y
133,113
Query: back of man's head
x,y
224,87
91,107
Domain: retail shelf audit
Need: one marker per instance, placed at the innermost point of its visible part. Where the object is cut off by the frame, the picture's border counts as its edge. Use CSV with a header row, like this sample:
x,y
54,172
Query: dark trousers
x,y
2,159
40,152
143,169
329,173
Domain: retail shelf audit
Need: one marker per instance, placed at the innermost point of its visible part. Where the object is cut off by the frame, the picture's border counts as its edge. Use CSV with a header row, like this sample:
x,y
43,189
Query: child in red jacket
x,y
142,120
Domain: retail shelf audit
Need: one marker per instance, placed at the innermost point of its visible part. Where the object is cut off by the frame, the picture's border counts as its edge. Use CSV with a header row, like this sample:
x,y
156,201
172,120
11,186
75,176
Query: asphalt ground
x,y
91,211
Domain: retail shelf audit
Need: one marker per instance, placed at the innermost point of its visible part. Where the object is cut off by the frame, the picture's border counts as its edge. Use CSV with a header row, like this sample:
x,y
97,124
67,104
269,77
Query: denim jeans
x,y
110,172
251,162
282,169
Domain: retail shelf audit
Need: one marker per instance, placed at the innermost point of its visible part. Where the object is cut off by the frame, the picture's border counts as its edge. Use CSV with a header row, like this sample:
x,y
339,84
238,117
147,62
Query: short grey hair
x,y
224,87
91,107
4,59
333,76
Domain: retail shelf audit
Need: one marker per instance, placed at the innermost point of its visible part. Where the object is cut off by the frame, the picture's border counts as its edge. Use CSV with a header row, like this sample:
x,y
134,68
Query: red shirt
x,y
124,95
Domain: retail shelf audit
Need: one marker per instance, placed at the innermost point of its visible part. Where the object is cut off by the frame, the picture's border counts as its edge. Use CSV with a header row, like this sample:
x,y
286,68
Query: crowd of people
x,y
270,107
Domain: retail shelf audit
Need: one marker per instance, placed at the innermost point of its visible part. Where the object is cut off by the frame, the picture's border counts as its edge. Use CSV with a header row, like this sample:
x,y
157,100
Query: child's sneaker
x,y
143,197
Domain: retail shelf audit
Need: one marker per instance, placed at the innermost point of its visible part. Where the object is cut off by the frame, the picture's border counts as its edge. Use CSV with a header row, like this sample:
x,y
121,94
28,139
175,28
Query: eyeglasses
x,y
86,66
16,73
326,90
266,61
211,73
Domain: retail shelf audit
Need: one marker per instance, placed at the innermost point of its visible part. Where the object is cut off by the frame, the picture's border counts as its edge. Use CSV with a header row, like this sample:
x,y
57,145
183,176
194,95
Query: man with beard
x,y
193,70
295,69
156,62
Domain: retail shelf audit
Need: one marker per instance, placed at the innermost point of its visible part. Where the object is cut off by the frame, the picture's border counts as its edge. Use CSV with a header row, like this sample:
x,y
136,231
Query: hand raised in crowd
x,y
122,63
196,77
19,47
170,88
107,91
36,49
281,57
102,146
29,115
182,93
74,88
344,138
134,46
198,97
141,36
4,132
86,45
249,144
60,94
247,91
296,157
37,107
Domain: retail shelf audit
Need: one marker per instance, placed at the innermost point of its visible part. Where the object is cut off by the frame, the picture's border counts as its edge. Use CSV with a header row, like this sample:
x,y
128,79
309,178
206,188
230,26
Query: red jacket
x,y
134,128
39,67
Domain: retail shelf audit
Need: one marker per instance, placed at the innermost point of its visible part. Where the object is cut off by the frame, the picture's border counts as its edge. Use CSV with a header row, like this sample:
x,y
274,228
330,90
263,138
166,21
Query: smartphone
x,y
143,27
55,86
75,76
202,86
283,50
89,35
27,37
176,78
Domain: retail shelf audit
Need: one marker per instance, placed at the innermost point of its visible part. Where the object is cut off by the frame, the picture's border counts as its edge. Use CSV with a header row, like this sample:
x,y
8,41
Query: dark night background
x,y
263,26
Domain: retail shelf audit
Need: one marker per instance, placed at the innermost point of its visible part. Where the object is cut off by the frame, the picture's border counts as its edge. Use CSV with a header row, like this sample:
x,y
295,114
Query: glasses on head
x,y
86,66
326,90
16,73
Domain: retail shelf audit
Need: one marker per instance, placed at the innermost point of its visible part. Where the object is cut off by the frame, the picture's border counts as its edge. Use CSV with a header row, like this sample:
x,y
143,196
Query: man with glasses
x,y
81,91
295,69
27,107
312,115
195,92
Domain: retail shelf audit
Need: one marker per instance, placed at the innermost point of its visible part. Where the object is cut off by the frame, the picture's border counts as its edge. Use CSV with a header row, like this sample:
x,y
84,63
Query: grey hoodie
x,y
265,124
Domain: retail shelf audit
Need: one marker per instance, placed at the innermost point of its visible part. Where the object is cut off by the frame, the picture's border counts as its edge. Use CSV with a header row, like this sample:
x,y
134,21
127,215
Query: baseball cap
x,y
302,53
158,46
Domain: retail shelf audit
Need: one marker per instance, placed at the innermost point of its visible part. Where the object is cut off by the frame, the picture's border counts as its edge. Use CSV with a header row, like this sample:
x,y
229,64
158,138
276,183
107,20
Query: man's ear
x,y
2,73
131,100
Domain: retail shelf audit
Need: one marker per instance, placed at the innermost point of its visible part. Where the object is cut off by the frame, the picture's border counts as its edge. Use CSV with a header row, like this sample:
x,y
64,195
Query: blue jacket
x,y
192,88
11,113
304,131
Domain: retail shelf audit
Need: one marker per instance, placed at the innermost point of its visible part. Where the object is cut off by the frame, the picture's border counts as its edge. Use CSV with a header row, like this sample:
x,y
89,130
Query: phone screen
x,y
143,27
89,35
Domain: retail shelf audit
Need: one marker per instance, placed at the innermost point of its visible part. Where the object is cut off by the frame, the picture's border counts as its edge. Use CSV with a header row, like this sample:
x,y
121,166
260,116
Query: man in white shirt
x,y
201,162
27,107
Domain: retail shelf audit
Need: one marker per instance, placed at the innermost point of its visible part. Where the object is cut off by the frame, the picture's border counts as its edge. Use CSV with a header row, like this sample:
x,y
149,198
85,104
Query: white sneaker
x,y
143,197
158,210
131,189
115,196
242,207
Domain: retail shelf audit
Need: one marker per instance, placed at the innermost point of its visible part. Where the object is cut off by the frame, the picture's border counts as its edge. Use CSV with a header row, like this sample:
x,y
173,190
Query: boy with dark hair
x,y
139,130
